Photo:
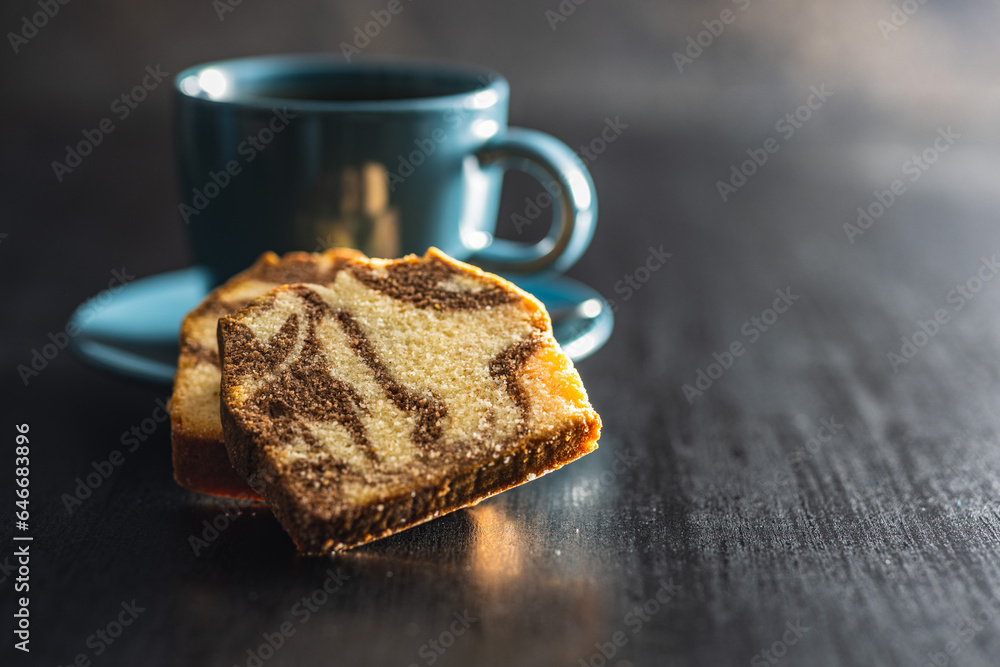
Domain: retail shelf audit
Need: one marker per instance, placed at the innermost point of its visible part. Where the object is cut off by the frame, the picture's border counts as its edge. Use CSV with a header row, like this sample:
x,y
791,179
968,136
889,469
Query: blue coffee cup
x,y
305,152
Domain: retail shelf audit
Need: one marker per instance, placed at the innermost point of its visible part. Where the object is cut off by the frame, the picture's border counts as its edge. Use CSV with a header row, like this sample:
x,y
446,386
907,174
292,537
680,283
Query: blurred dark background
x,y
752,557
604,59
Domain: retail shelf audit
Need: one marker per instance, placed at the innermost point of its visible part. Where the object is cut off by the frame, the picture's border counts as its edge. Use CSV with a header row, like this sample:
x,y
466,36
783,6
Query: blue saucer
x,y
134,330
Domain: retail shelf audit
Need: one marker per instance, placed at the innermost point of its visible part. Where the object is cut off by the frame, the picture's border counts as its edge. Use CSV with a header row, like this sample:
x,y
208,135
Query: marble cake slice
x,y
403,390
199,453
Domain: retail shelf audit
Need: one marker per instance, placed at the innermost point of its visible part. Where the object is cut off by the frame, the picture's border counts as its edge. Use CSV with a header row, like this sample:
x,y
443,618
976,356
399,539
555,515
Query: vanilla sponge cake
x,y
199,453
402,390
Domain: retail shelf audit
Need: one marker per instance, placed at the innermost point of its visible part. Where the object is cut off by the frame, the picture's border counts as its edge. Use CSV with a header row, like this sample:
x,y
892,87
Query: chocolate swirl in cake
x,y
200,353
505,368
429,409
307,388
429,285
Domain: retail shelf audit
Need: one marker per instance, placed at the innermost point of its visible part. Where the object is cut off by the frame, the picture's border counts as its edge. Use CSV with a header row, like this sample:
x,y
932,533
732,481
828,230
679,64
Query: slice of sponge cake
x,y
399,391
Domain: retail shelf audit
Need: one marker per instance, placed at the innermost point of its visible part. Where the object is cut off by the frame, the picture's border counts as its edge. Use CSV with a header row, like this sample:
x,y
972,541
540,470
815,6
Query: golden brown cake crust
x,y
277,385
199,454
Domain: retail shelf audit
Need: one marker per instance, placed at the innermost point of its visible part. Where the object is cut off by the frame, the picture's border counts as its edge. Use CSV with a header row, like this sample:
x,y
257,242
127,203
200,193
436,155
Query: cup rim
x,y
324,62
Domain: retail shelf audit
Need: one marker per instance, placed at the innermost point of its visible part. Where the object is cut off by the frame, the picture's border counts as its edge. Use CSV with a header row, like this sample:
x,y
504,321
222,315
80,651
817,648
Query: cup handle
x,y
574,203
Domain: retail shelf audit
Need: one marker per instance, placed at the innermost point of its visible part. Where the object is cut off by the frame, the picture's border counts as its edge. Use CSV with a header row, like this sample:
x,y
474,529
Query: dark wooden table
x,y
825,490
